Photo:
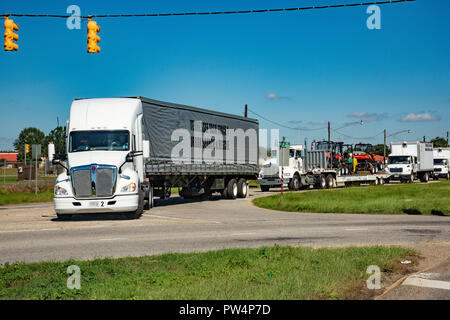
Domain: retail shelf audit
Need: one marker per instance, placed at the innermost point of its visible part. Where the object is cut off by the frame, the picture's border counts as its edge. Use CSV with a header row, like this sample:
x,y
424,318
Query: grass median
x,y
264,273
415,199
25,193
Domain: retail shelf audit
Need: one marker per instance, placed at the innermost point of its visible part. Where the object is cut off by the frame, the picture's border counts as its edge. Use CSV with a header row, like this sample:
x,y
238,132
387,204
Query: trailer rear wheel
x,y
232,189
411,179
242,188
381,181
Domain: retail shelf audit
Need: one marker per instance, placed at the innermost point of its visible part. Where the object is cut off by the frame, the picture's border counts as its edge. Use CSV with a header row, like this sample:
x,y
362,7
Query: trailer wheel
x,y
387,180
232,189
322,183
447,177
381,181
411,178
242,188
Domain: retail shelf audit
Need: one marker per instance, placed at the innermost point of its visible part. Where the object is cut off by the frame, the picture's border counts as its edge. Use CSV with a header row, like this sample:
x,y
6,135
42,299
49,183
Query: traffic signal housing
x,y
92,37
27,148
10,36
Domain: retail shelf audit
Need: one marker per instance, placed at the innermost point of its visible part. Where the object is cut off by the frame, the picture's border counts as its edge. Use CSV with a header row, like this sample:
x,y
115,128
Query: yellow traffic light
x,y
10,36
27,148
92,37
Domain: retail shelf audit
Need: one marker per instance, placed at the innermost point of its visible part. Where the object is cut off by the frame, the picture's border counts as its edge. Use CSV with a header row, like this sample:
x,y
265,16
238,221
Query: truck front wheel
x,y
138,213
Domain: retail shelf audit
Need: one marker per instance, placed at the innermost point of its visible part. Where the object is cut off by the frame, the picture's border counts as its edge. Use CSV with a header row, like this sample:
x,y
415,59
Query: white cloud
x,y
426,116
273,96
366,116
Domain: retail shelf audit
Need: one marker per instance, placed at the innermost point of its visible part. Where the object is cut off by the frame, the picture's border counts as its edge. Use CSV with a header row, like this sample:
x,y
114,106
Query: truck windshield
x,y
399,160
439,162
99,140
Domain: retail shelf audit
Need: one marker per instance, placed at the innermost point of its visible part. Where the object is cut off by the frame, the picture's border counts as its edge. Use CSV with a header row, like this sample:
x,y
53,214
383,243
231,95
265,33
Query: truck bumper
x,y
400,177
121,203
271,182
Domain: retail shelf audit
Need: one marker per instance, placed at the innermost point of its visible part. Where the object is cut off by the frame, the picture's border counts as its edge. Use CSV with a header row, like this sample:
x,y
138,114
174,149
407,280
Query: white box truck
x,y
121,152
410,160
441,163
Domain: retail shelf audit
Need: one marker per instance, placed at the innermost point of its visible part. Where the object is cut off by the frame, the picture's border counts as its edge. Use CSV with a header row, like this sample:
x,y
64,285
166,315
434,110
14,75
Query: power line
x,y
284,126
359,138
204,13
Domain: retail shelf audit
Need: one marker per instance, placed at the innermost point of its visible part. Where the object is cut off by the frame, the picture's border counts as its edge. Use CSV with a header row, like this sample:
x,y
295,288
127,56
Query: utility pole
x,y
245,113
384,148
329,132
447,140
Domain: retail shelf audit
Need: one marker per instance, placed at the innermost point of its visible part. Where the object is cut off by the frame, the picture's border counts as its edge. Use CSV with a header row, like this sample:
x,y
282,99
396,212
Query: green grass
x,y
432,198
264,273
25,197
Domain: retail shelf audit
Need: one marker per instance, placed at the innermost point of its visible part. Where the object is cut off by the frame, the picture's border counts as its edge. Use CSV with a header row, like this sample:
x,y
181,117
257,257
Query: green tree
x,y
30,136
379,150
58,137
439,142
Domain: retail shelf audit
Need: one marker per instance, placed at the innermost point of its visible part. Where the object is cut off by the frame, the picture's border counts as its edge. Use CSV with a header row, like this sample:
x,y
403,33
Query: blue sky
x,y
300,69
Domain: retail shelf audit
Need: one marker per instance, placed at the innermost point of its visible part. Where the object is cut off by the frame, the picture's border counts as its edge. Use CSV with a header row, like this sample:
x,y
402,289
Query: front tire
x,y
140,209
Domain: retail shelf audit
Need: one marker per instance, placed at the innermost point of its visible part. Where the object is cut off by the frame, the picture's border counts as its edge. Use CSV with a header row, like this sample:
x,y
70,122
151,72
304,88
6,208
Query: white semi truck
x,y
410,160
121,152
441,163
308,168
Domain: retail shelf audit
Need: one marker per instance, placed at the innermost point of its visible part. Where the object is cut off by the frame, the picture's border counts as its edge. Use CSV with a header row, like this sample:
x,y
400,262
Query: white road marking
x,y
112,239
242,234
423,280
357,229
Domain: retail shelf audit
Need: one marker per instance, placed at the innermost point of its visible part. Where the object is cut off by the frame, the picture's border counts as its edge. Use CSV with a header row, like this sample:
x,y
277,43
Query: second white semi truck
x,y
411,160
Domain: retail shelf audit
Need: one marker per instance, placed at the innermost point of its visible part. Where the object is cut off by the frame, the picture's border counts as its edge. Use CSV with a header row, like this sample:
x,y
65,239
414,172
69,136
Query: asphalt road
x,y
30,233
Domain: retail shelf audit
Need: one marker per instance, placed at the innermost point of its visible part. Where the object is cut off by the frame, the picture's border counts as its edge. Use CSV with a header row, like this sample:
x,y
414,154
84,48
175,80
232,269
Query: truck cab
x,y
441,163
270,173
402,167
104,159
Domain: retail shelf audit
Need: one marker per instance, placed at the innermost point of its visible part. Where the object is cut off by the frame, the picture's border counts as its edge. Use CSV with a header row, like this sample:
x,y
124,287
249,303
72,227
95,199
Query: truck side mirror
x,y
129,158
146,148
56,161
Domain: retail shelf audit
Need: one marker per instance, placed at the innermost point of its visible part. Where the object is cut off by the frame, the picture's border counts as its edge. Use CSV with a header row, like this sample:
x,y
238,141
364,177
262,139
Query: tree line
x,y
33,135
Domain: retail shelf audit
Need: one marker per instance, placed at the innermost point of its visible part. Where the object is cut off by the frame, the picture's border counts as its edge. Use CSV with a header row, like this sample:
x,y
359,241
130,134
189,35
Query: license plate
x,y
94,204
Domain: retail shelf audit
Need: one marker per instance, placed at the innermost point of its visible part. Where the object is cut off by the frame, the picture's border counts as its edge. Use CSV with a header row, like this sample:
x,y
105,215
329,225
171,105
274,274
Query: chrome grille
x,y
82,182
104,182
94,180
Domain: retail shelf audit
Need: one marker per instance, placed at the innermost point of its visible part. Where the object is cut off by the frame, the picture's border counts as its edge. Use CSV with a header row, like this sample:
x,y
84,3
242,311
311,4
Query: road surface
x,y
31,233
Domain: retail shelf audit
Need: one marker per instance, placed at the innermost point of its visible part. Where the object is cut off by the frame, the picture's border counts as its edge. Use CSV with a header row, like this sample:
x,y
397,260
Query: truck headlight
x,y
129,188
59,191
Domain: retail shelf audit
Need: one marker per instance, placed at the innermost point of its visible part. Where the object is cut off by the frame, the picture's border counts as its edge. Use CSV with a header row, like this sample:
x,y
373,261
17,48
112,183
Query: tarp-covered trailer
x,y
199,150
